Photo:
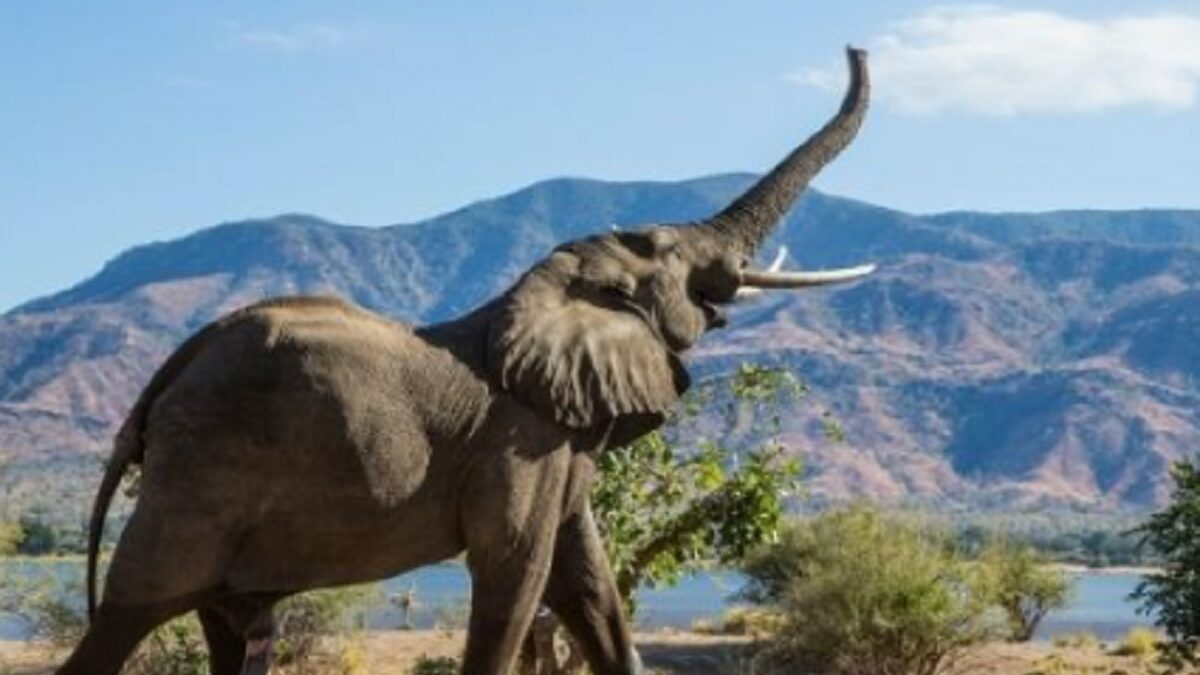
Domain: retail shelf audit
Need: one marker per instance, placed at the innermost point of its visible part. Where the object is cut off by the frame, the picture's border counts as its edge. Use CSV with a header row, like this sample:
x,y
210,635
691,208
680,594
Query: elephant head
x,y
596,330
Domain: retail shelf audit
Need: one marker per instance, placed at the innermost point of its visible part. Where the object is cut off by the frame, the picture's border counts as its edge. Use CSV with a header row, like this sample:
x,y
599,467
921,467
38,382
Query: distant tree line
x,y
1103,545
1092,541
35,534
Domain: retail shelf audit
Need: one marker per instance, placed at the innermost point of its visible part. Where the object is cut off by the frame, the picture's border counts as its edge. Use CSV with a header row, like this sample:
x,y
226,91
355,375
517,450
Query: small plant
x,y
435,665
176,648
352,658
1140,643
1056,664
1079,640
752,622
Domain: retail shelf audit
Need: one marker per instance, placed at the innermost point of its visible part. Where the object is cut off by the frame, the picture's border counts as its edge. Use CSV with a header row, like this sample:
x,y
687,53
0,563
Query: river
x,y
1099,604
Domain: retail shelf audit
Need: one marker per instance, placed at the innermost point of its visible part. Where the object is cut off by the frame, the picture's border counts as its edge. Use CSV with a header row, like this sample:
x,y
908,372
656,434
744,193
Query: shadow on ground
x,y
718,657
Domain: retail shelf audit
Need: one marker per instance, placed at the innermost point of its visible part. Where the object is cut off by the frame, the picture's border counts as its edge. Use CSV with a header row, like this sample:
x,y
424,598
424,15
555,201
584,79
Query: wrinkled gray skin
x,y
305,442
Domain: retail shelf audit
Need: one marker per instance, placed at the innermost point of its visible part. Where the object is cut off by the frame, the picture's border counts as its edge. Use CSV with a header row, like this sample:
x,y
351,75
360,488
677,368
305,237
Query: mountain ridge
x,y
1070,325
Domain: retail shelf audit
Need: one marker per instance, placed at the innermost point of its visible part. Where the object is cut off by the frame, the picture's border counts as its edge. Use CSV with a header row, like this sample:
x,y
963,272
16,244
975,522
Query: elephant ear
x,y
583,360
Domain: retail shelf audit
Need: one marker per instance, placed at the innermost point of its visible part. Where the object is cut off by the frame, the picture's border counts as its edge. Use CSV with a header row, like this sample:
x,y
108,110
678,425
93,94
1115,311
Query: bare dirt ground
x,y
668,653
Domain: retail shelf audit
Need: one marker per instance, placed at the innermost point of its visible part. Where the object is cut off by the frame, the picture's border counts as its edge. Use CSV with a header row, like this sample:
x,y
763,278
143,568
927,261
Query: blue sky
x,y
125,122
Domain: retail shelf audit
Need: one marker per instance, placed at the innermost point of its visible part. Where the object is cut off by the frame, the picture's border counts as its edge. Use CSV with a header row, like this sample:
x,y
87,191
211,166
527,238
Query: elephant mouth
x,y
715,316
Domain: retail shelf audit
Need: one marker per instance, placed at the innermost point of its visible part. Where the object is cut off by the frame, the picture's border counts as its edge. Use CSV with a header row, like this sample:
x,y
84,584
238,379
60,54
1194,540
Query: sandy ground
x,y
669,653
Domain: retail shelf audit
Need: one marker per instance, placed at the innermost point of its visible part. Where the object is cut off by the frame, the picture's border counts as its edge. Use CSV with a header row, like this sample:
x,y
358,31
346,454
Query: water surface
x,y
441,593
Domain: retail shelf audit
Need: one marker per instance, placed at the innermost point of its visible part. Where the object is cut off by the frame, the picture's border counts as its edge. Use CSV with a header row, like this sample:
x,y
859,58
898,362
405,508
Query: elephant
x,y
304,442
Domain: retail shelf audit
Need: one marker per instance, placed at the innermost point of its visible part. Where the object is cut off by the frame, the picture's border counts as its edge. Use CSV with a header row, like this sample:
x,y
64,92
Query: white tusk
x,y
777,263
747,292
769,279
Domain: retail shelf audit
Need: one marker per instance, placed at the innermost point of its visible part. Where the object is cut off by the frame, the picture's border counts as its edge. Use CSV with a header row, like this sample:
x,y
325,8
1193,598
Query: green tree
x,y
10,533
704,490
863,594
1022,585
1173,595
669,509
40,538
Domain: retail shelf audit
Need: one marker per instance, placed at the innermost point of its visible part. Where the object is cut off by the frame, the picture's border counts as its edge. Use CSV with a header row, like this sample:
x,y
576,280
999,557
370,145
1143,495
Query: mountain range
x,y
995,361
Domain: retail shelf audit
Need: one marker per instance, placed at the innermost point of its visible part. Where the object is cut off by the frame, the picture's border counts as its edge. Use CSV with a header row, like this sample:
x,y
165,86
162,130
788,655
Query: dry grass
x,y
671,653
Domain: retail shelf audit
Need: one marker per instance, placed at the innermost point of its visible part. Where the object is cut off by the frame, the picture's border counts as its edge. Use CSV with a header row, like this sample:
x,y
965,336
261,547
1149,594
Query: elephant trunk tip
x,y
859,89
750,218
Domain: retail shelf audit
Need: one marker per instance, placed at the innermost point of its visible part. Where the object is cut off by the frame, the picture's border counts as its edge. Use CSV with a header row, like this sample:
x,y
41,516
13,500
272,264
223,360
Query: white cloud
x,y
295,39
991,60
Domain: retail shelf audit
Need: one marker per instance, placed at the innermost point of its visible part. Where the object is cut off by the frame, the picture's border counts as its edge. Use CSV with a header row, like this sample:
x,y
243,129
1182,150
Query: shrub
x,y
10,538
877,595
772,570
741,621
1141,643
1174,594
39,537
303,620
1022,585
752,622
175,648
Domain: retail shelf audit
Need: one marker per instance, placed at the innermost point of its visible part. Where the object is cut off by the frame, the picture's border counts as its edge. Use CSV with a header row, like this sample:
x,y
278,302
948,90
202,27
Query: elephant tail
x,y
126,450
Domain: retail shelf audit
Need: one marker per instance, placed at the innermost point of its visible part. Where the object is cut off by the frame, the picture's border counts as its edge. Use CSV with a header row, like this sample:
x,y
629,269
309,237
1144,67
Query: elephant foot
x,y
258,656
635,662
260,643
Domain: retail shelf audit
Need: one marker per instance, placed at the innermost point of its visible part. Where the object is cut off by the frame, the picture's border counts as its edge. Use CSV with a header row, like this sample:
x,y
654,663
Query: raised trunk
x,y
751,217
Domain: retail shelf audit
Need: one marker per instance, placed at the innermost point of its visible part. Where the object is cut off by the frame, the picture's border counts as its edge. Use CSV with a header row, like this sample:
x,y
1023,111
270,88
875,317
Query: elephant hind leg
x,y
240,631
226,647
114,633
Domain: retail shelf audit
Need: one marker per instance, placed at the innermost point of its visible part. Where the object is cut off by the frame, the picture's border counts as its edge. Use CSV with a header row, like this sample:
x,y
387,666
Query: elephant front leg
x,y
510,543
583,593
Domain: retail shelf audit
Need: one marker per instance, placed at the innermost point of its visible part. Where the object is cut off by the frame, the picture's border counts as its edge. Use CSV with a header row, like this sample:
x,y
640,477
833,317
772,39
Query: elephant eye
x,y
618,291
621,287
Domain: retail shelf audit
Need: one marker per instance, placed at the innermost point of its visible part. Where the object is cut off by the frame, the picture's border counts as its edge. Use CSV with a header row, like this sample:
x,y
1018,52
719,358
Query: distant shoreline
x,y
1112,570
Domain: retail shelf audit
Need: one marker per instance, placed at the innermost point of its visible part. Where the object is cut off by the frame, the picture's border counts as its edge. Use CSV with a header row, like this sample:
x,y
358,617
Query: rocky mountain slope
x,y
995,360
